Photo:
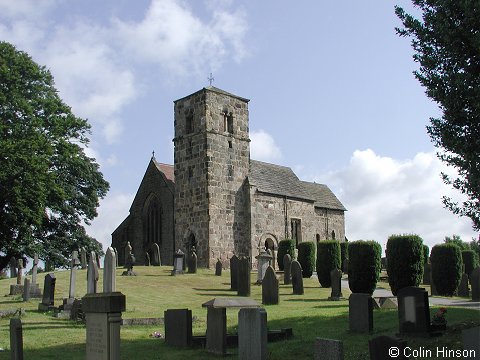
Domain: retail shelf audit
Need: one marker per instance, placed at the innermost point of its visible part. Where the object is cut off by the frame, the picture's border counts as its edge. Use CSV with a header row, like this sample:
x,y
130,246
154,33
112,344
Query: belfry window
x,y
228,122
189,124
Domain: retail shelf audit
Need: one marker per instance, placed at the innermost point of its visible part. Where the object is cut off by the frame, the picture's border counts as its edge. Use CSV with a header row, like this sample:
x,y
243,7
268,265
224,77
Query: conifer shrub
x,y
286,246
446,260
306,258
404,261
364,265
470,261
328,258
426,253
343,253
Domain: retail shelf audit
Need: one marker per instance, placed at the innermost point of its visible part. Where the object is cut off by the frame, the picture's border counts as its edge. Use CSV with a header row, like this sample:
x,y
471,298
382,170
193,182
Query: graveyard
x,y
153,290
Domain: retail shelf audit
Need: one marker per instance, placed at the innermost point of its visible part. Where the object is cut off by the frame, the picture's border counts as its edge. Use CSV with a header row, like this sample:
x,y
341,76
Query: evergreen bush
x,y
286,246
328,258
470,261
306,258
343,253
447,264
364,265
404,261
426,253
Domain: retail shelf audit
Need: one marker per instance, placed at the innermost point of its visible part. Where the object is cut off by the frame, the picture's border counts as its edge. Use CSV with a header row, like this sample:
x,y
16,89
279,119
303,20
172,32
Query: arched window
x,y
333,234
152,222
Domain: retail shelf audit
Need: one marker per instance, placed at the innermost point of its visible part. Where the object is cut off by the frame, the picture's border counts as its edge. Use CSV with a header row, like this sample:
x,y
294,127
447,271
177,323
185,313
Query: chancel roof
x,y
166,169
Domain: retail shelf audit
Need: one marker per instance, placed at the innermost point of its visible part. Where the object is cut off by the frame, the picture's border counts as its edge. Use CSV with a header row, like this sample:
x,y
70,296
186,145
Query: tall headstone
x,y
234,273
252,333
270,288
13,268
463,289
34,288
155,260
471,341
73,274
360,313
413,310
475,284
297,278
336,280
192,261
92,274
243,276
287,275
178,327
16,339
178,259
127,250
216,330
116,256
380,348
48,299
19,271
26,289
263,262
328,349
83,258
109,276
218,268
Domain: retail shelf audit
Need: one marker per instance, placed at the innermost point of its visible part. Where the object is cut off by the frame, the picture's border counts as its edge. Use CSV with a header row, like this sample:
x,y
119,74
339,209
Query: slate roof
x,y
323,196
166,169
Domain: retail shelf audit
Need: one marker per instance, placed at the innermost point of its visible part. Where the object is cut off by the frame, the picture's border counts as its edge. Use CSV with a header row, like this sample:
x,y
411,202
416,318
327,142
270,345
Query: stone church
x,y
216,198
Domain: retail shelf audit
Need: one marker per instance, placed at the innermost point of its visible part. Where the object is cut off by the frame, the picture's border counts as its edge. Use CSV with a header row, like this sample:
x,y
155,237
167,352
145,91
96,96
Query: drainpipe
x,y
285,211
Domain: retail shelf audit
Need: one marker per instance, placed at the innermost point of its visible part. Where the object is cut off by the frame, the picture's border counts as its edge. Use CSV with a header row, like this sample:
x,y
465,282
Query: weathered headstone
x,y
16,339
178,327
109,276
427,268
381,348
218,268
147,259
155,260
463,289
34,288
83,258
263,262
475,284
92,274
471,342
19,271
178,259
360,313
48,299
234,273
216,330
26,289
13,268
328,349
73,274
270,287
243,276
127,250
413,310
129,266
252,333
336,279
287,275
388,303
192,262
297,278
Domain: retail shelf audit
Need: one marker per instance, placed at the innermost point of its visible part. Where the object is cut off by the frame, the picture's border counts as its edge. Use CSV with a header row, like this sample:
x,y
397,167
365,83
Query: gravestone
x,y
413,310
252,333
83,258
328,349
192,262
13,268
155,260
128,249
463,289
48,299
97,256
178,327
17,289
475,284
427,268
243,276
360,313
34,288
336,279
234,273
129,266
16,339
263,262
92,274
287,275
73,274
178,259
471,341
270,288
147,259
218,268
216,341
381,347
19,271
109,275
26,289
297,279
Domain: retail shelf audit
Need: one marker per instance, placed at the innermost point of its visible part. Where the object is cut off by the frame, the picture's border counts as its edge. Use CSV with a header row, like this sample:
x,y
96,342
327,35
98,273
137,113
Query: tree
x,y
447,46
457,240
48,186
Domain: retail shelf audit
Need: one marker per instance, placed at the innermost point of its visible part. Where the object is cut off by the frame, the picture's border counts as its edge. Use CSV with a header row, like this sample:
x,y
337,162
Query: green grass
x,y
153,291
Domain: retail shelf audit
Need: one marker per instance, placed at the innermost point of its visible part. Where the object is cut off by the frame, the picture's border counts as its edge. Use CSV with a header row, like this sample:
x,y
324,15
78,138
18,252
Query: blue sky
x,y
331,88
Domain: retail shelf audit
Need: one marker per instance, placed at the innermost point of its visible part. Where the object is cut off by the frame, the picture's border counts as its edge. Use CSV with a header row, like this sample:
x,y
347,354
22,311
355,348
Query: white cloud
x,y
263,147
385,196
30,9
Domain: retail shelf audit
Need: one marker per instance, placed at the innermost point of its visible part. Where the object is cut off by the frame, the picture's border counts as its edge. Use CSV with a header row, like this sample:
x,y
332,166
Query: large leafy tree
x,y
446,41
49,188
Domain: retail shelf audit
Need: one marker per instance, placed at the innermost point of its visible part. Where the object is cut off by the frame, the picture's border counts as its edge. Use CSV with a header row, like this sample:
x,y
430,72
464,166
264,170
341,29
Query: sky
x,y
331,88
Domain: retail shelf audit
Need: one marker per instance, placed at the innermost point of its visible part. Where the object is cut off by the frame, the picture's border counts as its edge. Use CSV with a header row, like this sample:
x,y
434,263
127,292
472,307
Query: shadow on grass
x,y
226,290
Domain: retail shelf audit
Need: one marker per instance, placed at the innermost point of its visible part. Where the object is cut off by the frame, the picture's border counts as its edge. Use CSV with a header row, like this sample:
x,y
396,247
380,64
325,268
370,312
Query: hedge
x,y
404,261
328,258
343,253
286,246
364,265
470,261
447,265
306,258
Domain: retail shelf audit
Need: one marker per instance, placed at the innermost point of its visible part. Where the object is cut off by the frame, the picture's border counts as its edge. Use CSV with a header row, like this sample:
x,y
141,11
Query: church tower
x,y
211,161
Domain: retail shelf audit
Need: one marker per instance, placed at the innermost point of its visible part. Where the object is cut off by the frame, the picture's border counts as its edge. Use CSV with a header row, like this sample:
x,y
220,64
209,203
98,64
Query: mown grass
x,y
153,291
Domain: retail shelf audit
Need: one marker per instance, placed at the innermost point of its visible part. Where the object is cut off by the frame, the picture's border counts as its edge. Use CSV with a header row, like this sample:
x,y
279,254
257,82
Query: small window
x,y
333,234
230,146
189,124
230,123
296,230
318,238
189,148
190,172
230,170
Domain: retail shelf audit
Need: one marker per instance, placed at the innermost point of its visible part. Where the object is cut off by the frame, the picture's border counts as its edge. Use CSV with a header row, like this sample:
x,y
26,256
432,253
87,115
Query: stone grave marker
x,y
234,273
270,287
147,259
475,284
26,289
463,289
192,262
218,268
328,349
34,288
128,249
427,268
388,303
380,346
471,341
83,258
413,310
252,333
73,274
178,259
109,276
336,280
216,330
287,275
129,266
156,261
13,268
243,276
16,339
263,262
17,289
92,274
178,327
19,271
48,299
360,313
297,279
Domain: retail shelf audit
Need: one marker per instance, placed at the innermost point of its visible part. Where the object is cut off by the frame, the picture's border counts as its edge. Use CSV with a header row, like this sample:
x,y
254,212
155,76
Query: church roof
x,y
216,90
166,169
323,196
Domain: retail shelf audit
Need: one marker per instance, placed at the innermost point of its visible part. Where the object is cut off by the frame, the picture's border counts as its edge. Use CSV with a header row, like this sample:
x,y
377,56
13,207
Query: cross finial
x,y
153,154
211,79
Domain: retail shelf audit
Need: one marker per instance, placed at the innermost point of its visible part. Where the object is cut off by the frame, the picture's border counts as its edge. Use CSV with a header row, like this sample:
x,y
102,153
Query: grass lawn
x,y
153,291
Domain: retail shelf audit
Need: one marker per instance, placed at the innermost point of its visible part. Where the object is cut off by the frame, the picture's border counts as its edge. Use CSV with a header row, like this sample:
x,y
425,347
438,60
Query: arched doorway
x,y
269,242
